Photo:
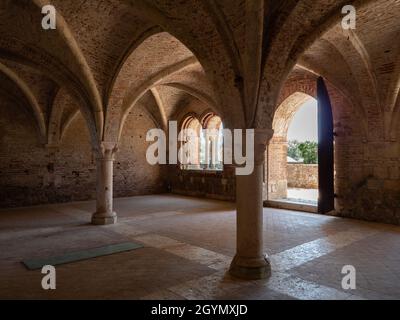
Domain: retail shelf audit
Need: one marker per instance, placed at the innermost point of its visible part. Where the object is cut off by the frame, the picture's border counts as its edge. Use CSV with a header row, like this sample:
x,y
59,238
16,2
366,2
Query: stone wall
x,y
32,174
209,184
367,180
275,169
304,176
367,165
132,174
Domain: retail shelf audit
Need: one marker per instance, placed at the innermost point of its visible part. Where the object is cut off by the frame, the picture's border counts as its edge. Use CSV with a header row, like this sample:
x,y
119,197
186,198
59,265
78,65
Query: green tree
x,y
293,150
309,152
306,151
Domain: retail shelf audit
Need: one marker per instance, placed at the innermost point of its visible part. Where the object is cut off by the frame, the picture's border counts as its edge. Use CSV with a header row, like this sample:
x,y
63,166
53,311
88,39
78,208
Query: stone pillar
x,y
49,176
104,214
207,151
250,261
214,150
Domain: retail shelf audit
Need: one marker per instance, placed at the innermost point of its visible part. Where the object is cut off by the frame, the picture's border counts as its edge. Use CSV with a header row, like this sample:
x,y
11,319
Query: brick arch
x,y
286,111
54,130
197,123
207,117
139,74
198,23
307,84
304,86
42,62
76,72
190,115
395,123
190,121
292,98
292,33
68,122
188,110
134,45
195,92
354,103
29,98
130,85
64,109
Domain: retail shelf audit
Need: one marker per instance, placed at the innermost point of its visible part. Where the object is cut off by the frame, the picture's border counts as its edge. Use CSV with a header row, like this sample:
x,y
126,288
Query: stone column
x,y
104,206
250,261
49,176
214,151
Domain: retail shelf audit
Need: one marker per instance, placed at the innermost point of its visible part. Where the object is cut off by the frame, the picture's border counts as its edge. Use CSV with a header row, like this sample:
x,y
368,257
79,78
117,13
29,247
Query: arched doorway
x,y
318,153
291,177
302,159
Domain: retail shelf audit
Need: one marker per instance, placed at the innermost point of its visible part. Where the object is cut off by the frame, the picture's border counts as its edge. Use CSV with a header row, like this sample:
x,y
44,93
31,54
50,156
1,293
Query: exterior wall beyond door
x,y
303,176
276,169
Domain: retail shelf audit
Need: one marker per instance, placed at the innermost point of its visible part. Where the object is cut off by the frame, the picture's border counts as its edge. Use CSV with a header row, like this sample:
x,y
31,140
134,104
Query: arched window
x,y
206,138
191,131
211,146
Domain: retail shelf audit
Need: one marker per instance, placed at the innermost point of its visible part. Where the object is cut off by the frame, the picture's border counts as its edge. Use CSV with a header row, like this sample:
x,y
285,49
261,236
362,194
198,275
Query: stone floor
x,y
189,244
307,195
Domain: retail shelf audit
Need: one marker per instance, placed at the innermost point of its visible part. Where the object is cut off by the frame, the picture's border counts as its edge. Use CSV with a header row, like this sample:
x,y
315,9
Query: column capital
x,y
107,151
262,137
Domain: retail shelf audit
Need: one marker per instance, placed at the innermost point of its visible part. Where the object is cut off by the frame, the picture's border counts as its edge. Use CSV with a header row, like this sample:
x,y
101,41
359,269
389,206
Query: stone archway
x,y
276,170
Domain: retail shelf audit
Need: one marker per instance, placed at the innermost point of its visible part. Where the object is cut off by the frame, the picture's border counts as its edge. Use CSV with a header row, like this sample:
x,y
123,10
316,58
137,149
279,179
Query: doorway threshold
x,y
292,204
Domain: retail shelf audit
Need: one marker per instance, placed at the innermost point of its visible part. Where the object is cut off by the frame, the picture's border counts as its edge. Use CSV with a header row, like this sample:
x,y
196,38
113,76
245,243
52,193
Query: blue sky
x,y
304,124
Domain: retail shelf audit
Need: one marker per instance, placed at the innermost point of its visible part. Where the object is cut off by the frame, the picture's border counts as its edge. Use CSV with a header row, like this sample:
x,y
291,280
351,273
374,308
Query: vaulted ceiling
x,y
233,55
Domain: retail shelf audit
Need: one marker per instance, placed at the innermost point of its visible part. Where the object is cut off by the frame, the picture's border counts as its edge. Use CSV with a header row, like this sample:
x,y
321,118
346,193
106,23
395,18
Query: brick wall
x,y
367,166
276,169
31,174
304,176
209,184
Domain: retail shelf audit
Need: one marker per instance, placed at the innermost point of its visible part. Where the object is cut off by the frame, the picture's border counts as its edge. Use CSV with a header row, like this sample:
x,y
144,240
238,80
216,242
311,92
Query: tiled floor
x,y
189,244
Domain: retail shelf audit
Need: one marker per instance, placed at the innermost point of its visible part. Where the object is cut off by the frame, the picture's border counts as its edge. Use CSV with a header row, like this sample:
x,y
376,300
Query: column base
x,y
250,269
102,219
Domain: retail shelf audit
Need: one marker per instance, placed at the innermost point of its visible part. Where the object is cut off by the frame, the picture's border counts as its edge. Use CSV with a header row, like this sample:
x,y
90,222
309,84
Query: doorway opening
x,y
291,179
302,158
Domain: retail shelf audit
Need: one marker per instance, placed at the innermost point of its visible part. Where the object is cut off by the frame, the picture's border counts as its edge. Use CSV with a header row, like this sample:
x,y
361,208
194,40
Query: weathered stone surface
x,y
304,176
32,174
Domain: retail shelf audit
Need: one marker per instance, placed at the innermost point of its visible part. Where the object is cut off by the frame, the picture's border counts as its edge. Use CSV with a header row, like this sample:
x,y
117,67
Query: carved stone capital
x,y
107,151
262,137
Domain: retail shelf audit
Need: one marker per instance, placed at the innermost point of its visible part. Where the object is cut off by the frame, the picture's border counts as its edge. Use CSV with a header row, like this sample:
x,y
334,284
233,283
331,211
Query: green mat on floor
x,y
35,264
